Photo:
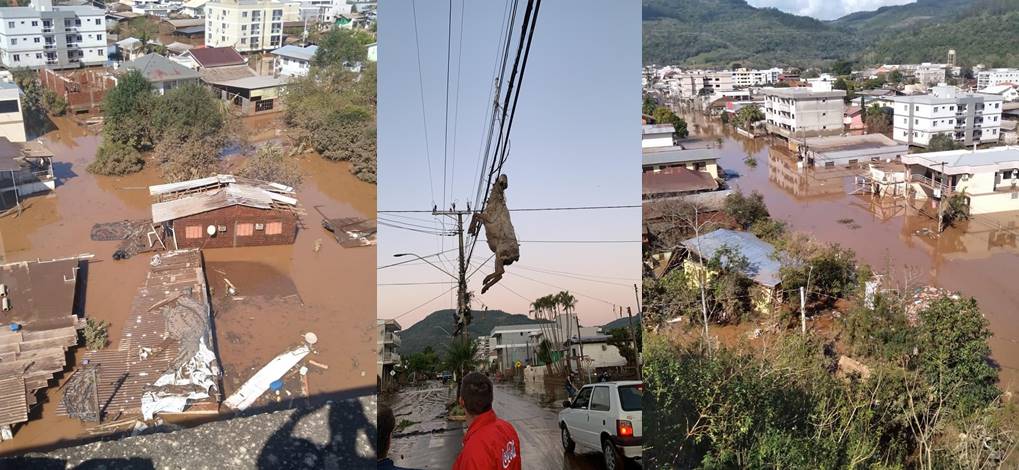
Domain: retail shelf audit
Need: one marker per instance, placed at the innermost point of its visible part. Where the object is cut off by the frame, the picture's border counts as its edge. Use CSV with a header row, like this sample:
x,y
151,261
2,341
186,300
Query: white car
x,y
606,417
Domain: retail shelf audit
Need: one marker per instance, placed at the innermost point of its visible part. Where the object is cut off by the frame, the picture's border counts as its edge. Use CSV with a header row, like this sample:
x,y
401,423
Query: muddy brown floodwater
x,y
978,258
282,291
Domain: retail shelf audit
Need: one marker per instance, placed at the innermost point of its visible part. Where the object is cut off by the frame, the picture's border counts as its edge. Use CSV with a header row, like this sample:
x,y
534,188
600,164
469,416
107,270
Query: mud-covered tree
x,y
270,164
188,112
116,159
877,120
183,158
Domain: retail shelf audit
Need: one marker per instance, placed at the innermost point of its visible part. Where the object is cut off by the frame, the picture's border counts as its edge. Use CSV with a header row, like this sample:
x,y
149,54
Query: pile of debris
x,y
922,298
135,236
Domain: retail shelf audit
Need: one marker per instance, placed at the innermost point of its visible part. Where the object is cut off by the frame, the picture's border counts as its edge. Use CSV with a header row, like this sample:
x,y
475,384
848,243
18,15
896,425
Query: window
x,y
14,41
17,58
582,400
99,37
38,55
193,231
245,230
35,23
631,397
600,399
274,228
10,24
35,40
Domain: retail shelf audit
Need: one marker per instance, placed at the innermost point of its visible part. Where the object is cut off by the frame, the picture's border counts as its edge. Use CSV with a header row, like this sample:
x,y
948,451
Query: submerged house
x,y
40,324
165,360
763,267
225,211
25,169
988,179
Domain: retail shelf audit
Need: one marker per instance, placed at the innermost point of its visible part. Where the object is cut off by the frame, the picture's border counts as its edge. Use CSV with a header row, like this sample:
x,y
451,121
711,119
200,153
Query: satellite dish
x,y
211,230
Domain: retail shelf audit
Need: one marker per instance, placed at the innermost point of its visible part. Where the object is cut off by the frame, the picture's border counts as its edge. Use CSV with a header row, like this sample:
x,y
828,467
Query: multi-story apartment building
x,y
693,83
388,343
52,36
743,78
247,25
804,112
968,117
991,77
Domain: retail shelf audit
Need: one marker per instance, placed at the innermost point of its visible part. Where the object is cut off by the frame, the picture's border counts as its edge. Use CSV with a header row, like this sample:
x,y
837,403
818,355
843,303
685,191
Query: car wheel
x,y
568,444
613,460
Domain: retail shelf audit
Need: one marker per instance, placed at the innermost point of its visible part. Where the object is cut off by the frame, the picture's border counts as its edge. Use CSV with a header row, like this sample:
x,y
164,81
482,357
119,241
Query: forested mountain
x,y
721,33
430,330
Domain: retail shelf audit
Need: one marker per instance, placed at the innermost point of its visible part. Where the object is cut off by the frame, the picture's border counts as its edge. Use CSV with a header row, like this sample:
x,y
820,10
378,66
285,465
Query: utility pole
x,y
636,350
941,200
462,303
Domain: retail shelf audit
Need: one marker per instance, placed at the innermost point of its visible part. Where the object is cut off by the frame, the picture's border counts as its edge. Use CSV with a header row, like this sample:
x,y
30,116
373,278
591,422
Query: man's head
x,y
387,423
476,393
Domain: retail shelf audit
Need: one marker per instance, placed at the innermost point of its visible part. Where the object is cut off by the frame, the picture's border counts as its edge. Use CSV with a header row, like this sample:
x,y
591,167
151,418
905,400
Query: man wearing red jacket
x,y
490,443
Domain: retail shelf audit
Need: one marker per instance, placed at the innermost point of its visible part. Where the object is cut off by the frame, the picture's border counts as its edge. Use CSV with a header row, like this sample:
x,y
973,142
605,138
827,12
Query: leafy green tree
x,y
649,106
831,273
877,120
842,67
184,157
665,115
187,112
941,143
952,350
341,47
747,116
620,338
746,210
127,110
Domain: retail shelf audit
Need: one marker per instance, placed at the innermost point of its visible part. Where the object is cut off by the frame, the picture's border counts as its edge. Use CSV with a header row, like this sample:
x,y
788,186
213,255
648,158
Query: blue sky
x,y
826,9
575,142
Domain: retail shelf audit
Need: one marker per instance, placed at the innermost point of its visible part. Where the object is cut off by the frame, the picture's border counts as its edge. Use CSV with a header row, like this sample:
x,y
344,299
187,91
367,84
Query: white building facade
x,y
743,78
969,118
12,121
247,25
804,112
52,36
993,77
987,178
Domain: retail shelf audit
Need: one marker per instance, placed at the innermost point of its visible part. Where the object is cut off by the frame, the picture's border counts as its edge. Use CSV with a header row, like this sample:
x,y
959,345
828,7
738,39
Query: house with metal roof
x,y
988,179
762,268
293,61
656,135
656,159
162,73
225,211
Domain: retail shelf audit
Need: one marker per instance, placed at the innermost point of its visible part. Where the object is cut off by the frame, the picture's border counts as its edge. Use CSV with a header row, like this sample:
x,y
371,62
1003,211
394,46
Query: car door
x,y
599,414
576,416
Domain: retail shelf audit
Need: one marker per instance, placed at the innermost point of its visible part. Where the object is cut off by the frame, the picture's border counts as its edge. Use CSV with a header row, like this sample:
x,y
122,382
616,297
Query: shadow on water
x,y
287,446
63,171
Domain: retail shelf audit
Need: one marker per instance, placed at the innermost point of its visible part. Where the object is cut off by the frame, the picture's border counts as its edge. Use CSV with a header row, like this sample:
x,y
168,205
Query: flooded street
x,y
426,440
283,292
978,257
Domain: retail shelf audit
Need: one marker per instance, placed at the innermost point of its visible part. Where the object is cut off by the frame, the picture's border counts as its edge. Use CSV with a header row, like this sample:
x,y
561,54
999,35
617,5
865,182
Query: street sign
x,y
518,364
392,373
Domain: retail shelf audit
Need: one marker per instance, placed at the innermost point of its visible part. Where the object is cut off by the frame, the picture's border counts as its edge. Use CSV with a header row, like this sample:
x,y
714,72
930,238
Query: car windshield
x,y
630,397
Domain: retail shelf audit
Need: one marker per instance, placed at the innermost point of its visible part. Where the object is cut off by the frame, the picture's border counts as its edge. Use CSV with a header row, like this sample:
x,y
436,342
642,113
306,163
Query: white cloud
x,y
826,9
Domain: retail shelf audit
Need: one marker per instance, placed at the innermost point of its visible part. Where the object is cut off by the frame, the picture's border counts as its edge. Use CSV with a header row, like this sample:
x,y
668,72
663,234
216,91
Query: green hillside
x,y
719,33
723,32
429,331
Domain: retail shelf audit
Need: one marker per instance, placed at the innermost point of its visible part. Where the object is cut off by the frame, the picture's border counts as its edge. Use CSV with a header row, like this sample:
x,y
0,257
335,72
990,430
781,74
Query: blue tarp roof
x,y
763,268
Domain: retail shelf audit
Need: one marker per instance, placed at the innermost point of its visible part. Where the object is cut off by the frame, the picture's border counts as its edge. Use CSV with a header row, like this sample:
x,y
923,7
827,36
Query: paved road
x,y
433,443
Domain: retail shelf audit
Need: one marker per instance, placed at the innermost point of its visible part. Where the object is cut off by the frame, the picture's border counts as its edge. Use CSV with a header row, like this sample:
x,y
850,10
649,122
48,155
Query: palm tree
x,y
461,358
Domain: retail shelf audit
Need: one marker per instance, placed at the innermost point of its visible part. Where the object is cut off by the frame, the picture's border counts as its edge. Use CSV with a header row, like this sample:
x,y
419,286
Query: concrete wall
x,y
230,217
247,25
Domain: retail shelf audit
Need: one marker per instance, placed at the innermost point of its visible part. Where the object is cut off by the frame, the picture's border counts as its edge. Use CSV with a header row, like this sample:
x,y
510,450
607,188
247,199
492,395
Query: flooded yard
x,y
283,291
978,257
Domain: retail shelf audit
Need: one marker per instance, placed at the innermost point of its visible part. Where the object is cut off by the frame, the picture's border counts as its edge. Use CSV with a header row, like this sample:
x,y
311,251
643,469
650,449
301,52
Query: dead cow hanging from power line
x,y
502,239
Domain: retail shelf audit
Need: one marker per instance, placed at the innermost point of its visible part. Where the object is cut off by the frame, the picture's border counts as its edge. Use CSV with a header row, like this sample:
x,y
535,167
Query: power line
x,y
527,209
456,107
432,283
423,304
415,260
606,302
445,114
421,87
429,232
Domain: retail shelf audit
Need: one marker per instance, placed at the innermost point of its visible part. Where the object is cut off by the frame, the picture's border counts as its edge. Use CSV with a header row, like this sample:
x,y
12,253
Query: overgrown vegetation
x,y
747,116
270,164
37,101
332,109
664,115
96,334
186,129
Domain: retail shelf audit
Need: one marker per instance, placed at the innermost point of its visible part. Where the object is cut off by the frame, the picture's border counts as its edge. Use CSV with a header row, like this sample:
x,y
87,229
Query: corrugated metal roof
x,y
217,56
764,269
668,155
297,52
232,195
156,68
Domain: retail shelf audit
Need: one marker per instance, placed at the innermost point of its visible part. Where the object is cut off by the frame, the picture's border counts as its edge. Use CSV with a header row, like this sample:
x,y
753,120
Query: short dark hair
x,y
387,423
476,391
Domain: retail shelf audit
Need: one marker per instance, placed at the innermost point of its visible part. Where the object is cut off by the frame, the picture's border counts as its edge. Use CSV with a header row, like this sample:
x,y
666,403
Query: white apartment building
x,y
692,83
993,77
657,135
53,36
12,122
804,112
388,343
968,117
743,78
247,25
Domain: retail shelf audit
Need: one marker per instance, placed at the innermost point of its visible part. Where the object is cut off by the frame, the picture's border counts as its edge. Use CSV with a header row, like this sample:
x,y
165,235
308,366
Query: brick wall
x,y
230,217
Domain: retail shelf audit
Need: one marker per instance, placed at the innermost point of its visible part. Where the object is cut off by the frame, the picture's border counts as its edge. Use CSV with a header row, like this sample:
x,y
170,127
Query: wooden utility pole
x,y
463,307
